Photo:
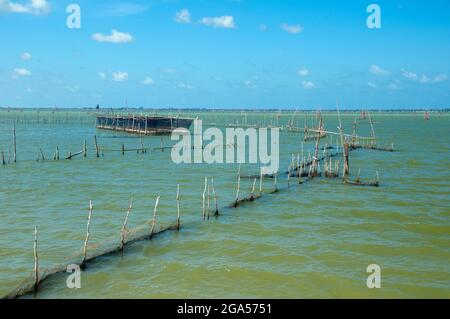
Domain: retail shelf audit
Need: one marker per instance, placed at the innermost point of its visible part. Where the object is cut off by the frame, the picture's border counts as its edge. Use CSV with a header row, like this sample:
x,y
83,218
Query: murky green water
x,y
312,240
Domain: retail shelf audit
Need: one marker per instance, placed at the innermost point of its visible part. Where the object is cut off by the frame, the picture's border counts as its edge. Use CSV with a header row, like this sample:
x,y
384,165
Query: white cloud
x,y
18,72
219,22
375,69
303,72
424,79
120,76
409,75
114,37
183,85
308,85
250,85
292,29
169,70
372,85
25,55
71,88
148,81
393,86
35,7
102,75
183,16
440,78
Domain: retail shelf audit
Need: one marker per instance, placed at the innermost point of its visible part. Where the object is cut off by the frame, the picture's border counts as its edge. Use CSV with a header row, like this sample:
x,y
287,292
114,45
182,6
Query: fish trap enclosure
x,y
146,125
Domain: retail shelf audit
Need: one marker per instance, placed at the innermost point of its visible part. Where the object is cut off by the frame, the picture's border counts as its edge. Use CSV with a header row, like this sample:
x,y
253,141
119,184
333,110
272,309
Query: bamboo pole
x,y
260,183
123,149
154,217
83,263
85,149
124,226
36,261
42,154
204,198
346,164
216,212
253,190
178,207
289,176
275,182
14,143
3,158
96,146
209,202
238,184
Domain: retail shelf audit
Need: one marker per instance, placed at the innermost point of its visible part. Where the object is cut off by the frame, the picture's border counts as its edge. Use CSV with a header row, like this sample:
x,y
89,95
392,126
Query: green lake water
x,y
313,240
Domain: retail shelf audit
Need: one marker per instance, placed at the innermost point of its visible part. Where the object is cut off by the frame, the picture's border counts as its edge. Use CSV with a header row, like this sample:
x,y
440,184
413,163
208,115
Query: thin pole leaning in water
x,y
238,185
96,145
14,143
154,217
260,183
216,213
209,199
83,263
252,197
124,226
36,261
204,198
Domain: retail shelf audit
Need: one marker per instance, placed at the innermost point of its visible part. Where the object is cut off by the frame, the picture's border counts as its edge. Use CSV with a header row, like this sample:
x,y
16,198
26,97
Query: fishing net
x,y
109,246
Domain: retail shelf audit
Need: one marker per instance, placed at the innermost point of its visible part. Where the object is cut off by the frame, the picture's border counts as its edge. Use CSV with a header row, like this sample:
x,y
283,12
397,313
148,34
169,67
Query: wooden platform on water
x,y
142,125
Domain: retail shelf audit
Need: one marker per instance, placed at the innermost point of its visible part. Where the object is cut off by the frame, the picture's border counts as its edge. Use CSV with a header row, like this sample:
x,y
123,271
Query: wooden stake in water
x,y
253,190
204,198
42,154
85,149
289,176
36,261
238,184
154,217
83,263
3,158
209,201
216,212
96,146
275,182
178,207
260,183
124,226
14,143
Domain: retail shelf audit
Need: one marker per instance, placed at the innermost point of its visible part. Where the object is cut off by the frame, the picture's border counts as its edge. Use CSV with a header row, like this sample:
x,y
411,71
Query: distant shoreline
x,y
282,110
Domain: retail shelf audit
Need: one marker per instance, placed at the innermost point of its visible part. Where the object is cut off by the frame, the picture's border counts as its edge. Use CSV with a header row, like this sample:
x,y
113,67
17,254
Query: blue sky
x,y
225,54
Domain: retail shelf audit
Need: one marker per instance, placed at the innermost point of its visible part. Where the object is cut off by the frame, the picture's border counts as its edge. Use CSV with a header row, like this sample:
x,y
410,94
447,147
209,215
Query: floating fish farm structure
x,y
143,125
